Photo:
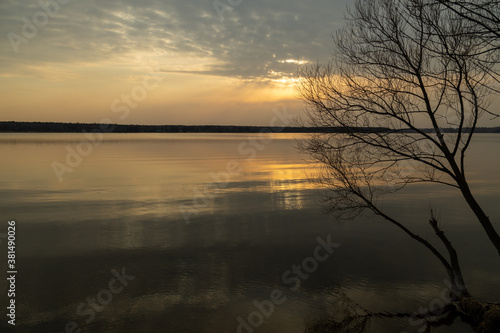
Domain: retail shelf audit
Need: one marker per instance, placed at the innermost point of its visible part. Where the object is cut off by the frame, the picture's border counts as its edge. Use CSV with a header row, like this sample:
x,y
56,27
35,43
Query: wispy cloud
x,y
230,71
256,40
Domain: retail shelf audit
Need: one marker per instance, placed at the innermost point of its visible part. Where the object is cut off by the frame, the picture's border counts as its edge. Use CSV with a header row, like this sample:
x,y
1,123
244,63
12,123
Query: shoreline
x,y
54,127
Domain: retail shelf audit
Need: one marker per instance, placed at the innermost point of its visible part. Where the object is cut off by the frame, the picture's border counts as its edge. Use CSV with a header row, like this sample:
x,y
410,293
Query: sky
x,y
159,61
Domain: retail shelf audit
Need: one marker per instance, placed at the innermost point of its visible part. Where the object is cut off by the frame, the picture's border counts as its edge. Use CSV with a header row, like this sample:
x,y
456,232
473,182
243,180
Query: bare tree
x,y
485,14
400,66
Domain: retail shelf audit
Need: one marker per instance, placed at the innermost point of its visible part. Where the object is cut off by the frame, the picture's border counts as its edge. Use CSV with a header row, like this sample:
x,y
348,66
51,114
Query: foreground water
x,y
220,233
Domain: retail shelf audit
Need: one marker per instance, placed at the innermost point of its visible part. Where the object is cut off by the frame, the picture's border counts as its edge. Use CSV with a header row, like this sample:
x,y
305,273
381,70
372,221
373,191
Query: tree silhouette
x,y
402,65
485,14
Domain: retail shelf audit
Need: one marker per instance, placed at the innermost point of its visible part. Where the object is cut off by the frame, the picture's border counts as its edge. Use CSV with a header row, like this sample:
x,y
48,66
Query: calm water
x,y
125,205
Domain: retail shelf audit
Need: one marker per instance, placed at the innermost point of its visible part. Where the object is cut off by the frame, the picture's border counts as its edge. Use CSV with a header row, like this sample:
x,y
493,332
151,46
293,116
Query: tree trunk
x,y
480,214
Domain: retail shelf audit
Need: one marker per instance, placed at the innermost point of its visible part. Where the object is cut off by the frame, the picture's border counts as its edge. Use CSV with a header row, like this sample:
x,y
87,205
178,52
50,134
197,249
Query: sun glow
x,y
293,61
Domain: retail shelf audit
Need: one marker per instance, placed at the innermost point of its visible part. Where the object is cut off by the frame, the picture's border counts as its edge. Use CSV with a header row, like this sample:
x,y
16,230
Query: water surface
x,y
204,244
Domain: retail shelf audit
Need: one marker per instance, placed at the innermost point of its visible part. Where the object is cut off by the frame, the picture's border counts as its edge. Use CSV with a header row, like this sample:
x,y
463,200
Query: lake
x,y
221,233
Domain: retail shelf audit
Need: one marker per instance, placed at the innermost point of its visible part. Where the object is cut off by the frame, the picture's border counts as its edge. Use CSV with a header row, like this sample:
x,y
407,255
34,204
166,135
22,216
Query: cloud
x,y
257,39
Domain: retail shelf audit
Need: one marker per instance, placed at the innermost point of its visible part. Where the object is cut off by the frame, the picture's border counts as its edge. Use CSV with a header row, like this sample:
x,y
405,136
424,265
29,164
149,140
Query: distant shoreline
x,y
53,127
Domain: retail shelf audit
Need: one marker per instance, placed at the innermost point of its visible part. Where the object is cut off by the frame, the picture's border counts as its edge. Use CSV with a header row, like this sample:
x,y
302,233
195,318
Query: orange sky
x,y
160,61
166,61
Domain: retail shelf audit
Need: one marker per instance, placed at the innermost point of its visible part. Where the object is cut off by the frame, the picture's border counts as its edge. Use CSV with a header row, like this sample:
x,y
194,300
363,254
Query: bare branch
x,y
401,65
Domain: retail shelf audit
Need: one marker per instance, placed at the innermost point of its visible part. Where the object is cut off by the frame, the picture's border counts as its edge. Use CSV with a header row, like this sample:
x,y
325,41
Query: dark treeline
x,y
53,127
